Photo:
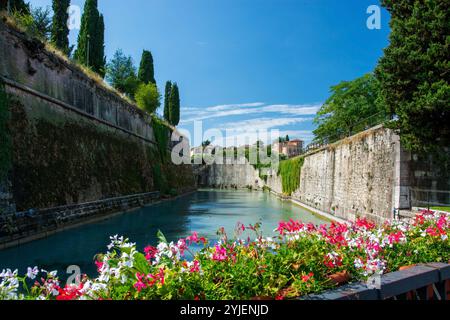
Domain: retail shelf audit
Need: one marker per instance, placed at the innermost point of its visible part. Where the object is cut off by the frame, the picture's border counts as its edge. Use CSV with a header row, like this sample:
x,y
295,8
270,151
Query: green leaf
x,y
161,237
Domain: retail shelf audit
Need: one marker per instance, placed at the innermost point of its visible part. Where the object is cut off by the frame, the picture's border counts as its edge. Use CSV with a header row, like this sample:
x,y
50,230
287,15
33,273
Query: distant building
x,y
291,148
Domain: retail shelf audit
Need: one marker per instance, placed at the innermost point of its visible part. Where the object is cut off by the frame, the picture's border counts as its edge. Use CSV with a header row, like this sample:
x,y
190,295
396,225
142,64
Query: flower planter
x,y
340,278
402,268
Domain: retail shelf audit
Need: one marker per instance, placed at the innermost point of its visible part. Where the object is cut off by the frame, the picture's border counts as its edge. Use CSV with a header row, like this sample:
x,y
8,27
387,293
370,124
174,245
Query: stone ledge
x,y
35,224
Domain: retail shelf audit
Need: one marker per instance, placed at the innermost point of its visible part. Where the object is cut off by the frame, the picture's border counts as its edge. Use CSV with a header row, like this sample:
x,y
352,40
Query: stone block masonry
x,y
363,175
357,176
75,143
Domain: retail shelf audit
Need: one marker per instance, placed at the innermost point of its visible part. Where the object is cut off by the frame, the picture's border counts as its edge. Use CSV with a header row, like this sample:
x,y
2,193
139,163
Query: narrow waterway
x,y
204,211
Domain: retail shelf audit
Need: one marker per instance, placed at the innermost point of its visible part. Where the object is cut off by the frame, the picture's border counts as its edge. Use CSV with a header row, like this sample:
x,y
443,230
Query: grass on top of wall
x,y
15,23
289,171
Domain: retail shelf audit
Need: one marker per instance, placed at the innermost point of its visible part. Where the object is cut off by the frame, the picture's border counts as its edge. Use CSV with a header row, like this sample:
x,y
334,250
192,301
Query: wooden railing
x,y
422,282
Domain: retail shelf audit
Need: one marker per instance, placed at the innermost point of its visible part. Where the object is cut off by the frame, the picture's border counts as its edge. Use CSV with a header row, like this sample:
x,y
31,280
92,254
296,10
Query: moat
x,y
204,211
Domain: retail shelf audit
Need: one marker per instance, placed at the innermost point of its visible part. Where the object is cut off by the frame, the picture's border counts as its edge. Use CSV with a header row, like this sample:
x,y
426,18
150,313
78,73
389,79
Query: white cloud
x,y
261,124
226,110
292,109
219,111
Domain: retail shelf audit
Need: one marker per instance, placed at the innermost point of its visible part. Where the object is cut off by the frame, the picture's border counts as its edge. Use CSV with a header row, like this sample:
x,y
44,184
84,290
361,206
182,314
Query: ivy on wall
x,y
290,174
5,137
161,132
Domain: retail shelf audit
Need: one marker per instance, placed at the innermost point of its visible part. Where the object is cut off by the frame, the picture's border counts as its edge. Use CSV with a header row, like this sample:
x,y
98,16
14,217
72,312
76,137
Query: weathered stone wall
x,y
27,62
228,176
364,175
73,140
354,177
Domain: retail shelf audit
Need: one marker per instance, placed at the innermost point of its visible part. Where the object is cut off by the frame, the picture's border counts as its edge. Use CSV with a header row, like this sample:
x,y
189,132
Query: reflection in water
x,y
204,211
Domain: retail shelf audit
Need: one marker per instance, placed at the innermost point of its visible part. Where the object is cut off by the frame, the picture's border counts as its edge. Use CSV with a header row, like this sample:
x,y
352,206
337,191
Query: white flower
x,y
32,272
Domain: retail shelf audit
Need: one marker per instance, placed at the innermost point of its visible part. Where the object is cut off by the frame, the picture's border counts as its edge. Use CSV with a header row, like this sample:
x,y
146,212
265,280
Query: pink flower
x,y
194,238
150,252
99,265
195,267
220,253
396,237
139,285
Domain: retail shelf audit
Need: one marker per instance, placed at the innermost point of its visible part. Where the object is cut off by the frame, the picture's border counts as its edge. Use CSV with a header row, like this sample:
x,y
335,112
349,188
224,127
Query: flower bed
x,y
301,259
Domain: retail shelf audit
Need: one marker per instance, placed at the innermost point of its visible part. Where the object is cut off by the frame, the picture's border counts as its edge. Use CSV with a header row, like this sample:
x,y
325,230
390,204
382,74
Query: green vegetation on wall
x,y
290,174
161,132
5,138
61,159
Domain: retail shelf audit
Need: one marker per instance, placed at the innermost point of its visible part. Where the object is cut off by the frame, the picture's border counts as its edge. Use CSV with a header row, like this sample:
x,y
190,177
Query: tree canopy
x,y
414,72
121,74
353,106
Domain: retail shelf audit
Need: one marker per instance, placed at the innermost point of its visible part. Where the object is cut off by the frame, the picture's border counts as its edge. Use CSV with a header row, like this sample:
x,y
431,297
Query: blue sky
x,y
247,64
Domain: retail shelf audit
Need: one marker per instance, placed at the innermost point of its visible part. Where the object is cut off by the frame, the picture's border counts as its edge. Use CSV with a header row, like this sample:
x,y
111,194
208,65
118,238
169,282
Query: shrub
x,y
148,97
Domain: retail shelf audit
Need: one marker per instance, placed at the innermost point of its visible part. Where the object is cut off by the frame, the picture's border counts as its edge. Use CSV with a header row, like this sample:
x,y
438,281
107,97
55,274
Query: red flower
x,y
70,293
307,277
150,252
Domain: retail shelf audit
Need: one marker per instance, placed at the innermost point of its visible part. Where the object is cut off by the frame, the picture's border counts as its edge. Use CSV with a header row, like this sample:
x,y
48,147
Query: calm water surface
x,y
204,211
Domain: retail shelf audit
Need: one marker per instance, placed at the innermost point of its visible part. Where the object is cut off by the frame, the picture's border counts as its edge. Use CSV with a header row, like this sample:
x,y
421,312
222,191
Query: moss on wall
x,y
60,159
290,174
5,138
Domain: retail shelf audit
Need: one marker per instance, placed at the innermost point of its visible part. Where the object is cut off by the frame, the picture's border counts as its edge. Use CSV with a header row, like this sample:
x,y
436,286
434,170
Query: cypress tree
x,y
167,92
146,72
90,49
174,105
100,59
60,31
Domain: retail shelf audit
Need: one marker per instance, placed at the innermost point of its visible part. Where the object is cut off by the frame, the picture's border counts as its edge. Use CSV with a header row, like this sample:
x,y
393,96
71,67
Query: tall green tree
x,y
100,59
167,93
174,105
353,106
90,48
60,31
414,72
146,72
121,74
